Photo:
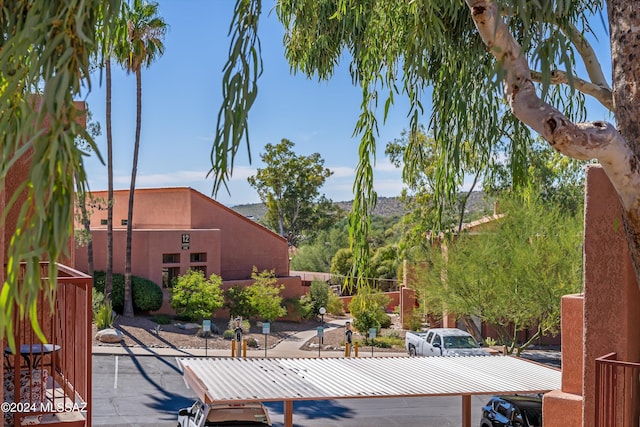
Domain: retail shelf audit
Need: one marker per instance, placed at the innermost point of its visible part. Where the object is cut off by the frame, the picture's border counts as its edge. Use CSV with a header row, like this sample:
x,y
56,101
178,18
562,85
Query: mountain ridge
x,y
386,206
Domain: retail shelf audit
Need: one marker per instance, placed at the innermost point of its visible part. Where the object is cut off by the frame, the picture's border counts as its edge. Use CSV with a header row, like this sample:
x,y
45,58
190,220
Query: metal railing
x,y
617,388
54,379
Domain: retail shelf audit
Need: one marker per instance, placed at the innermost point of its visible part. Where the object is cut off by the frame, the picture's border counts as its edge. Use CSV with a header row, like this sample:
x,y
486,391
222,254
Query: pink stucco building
x,y
177,229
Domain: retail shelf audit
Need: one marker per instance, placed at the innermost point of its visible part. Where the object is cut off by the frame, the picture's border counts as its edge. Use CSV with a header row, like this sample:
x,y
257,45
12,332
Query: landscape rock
x,y
109,335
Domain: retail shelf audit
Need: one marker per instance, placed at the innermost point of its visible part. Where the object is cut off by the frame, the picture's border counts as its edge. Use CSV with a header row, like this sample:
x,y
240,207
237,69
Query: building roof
x,y
258,379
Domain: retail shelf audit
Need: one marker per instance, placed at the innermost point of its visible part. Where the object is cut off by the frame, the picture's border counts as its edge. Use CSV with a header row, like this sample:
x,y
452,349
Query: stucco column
x,y
563,407
611,295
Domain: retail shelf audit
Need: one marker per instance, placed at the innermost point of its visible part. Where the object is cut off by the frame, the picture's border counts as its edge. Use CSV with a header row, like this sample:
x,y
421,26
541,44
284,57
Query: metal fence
x,y
617,388
51,382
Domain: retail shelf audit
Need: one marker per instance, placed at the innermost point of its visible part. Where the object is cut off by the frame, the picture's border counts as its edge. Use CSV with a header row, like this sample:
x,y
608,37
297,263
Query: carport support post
x,y
288,413
466,410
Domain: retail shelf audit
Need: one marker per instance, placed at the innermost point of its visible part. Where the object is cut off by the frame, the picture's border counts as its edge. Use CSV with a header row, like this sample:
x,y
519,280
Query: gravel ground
x,y
141,331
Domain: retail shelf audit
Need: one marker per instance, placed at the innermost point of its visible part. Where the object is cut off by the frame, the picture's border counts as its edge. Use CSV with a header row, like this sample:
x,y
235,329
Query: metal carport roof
x,y
258,379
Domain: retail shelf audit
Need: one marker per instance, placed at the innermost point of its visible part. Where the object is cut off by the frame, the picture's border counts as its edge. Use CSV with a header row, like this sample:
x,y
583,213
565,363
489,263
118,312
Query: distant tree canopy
x,y
289,186
554,178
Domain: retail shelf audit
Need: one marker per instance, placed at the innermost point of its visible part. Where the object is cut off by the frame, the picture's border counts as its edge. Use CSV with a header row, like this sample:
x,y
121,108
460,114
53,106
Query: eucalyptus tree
x,y
145,35
496,69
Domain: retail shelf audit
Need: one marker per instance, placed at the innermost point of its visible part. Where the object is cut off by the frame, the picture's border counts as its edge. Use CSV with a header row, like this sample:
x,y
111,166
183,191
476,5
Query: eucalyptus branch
x,y
602,94
588,55
583,141
239,90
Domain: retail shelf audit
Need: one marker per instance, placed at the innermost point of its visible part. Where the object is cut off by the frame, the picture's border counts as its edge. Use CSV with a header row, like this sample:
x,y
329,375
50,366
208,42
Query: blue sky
x,y
181,96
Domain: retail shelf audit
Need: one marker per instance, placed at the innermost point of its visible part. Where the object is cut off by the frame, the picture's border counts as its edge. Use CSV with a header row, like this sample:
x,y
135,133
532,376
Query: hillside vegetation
x,y
386,207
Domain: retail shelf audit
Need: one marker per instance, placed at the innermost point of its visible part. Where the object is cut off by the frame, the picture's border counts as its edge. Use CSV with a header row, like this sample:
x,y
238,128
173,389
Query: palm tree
x,y
145,34
114,41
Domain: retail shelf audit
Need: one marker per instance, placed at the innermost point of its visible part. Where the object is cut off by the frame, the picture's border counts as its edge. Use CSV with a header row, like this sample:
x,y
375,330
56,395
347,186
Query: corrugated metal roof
x,y
257,379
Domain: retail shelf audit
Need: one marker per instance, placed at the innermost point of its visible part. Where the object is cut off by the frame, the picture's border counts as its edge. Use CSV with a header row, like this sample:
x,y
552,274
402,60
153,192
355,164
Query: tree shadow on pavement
x,y
313,409
164,401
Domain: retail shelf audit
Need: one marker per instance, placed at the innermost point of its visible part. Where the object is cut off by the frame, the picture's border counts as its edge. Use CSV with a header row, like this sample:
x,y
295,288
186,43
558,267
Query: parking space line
x,y
115,377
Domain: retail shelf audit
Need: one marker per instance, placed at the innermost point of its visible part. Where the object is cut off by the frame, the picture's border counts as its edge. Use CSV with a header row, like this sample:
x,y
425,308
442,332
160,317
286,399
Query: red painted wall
x,y
232,243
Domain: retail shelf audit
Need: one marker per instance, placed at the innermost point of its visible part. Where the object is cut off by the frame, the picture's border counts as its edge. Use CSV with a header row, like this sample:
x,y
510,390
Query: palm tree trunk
x,y
108,285
128,297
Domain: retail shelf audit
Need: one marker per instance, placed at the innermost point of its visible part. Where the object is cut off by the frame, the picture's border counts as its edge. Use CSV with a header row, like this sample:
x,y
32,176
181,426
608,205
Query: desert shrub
x,y
387,342
147,296
385,321
298,307
394,334
252,342
367,307
264,295
319,295
104,316
334,305
237,301
229,334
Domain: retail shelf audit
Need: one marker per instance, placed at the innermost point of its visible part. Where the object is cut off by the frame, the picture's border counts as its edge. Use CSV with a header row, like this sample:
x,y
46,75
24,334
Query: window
x,y
170,258
199,257
429,336
169,274
502,410
437,340
124,222
103,222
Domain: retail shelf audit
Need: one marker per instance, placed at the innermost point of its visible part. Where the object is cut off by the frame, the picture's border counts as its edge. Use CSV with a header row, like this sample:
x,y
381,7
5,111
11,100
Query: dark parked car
x,y
512,411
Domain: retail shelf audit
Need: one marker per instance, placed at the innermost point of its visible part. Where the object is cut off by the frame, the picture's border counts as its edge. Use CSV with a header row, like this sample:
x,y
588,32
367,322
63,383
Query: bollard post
x,y
347,350
356,349
233,348
244,348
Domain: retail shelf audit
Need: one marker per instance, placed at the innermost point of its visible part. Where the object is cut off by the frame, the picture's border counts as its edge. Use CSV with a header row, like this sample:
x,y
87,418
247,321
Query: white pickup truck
x,y
224,414
442,342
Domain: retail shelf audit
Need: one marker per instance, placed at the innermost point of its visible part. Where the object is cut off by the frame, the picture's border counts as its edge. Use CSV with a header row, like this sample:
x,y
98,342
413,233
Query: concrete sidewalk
x,y
288,347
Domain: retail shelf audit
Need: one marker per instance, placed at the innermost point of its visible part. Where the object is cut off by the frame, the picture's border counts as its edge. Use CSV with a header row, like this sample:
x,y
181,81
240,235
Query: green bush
x,y
252,342
104,317
147,296
97,298
229,334
387,342
298,307
335,305
196,296
319,295
385,321
394,334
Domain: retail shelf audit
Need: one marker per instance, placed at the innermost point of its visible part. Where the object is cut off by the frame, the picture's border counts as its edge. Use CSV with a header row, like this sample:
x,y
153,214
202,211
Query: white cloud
x,y
341,172
384,165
